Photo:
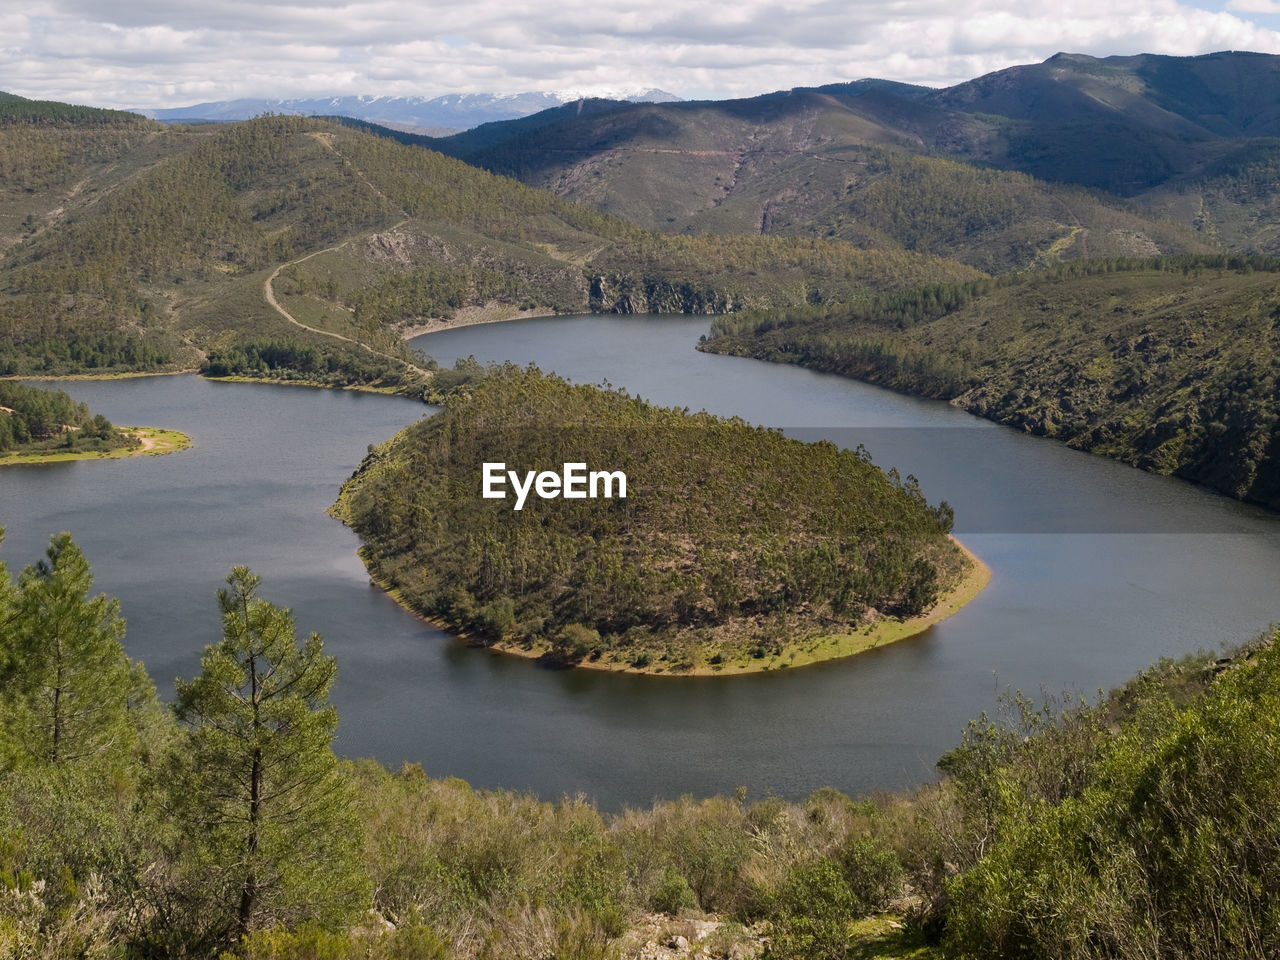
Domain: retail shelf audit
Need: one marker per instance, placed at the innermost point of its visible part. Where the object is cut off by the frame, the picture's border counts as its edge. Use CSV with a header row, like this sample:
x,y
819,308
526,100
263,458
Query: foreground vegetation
x,y
1144,825
734,548
1171,364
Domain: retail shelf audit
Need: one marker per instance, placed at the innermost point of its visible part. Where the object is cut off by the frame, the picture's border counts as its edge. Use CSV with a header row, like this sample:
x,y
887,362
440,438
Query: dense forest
x,y
290,360
1142,825
733,544
1169,364
33,419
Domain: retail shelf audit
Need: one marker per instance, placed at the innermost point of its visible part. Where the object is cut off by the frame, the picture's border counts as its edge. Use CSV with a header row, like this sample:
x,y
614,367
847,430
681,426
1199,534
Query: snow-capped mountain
x,y
457,111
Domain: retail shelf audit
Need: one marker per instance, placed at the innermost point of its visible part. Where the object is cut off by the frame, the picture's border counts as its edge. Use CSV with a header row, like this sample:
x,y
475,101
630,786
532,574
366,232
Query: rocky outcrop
x,y
624,293
660,937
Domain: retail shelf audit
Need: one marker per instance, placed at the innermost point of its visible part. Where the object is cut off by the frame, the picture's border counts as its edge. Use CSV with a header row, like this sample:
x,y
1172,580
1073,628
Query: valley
x,y
862,372
150,247
1081,550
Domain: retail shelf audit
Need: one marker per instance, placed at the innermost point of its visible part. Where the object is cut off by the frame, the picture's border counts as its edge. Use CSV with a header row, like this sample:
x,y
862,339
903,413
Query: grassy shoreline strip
x,y
314,384
818,650
156,441
121,375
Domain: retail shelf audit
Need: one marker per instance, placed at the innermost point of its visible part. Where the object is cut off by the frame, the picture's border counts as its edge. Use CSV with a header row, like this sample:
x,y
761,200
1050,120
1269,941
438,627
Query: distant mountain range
x,y
1191,144
455,111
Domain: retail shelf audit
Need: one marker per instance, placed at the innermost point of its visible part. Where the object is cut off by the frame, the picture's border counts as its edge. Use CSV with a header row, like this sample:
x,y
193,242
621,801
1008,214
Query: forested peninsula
x,y
44,426
736,549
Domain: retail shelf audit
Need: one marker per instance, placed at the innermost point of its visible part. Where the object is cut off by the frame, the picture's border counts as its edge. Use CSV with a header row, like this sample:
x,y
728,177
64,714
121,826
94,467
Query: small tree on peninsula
x,y
272,835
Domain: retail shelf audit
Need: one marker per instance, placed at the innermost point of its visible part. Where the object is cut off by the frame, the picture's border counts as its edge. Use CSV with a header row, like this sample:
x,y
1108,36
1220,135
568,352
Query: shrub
x,y
674,895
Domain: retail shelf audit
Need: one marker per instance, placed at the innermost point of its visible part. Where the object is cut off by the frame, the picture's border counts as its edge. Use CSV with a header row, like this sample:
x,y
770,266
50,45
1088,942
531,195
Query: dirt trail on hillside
x,y
1084,231
269,293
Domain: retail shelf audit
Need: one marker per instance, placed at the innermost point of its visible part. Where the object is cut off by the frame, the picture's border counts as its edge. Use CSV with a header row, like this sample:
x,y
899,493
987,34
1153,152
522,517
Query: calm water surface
x,y
1098,571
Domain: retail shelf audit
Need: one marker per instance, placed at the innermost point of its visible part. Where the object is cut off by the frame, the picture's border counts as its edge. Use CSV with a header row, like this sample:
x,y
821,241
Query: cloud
x,y
1254,6
160,53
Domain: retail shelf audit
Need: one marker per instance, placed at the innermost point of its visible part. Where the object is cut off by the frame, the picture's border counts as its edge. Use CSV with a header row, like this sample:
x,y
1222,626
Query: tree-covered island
x,y
43,426
735,549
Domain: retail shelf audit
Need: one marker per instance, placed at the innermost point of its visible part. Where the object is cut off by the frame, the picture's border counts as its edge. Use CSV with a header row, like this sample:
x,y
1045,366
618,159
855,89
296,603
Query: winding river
x,y
1098,570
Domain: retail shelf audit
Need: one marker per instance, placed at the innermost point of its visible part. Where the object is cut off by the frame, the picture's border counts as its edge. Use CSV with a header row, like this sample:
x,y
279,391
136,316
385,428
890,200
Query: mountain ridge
x,y
1146,136
451,111
129,245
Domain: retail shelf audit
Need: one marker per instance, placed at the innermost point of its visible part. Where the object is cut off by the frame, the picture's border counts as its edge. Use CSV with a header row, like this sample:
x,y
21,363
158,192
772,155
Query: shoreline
x,y
125,375
491,312
846,645
314,385
156,442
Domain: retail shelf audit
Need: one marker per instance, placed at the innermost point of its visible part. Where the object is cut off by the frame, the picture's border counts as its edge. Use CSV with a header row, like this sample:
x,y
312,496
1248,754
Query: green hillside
x,y
138,247
811,163
54,155
734,547
1232,201
1172,365
827,161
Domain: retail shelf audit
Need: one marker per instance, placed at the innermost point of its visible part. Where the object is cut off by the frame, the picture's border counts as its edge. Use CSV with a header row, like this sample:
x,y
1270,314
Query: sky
x,y
168,53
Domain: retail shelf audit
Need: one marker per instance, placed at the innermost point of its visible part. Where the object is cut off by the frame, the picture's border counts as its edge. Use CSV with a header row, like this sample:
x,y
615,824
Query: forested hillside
x,y
734,547
1172,365
132,246
1162,153
809,164
226,823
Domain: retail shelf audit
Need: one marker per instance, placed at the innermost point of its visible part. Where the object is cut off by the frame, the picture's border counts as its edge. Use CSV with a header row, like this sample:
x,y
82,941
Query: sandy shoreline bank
x,y
492,312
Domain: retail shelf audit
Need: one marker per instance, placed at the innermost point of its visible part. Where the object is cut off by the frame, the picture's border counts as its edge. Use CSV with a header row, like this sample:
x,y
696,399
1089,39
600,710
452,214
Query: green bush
x,y
311,942
673,895
872,871
1171,849
812,913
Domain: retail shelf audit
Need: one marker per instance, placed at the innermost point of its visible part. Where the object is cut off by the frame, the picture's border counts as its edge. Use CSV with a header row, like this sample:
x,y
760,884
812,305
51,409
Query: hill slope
x,y
1173,366
144,247
789,162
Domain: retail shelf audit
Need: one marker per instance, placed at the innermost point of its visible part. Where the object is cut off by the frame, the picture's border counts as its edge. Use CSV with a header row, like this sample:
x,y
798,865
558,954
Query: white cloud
x,y
173,52
1254,6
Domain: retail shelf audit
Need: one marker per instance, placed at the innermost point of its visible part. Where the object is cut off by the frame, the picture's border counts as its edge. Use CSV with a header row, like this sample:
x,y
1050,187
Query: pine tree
x,y
67,685
271,831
